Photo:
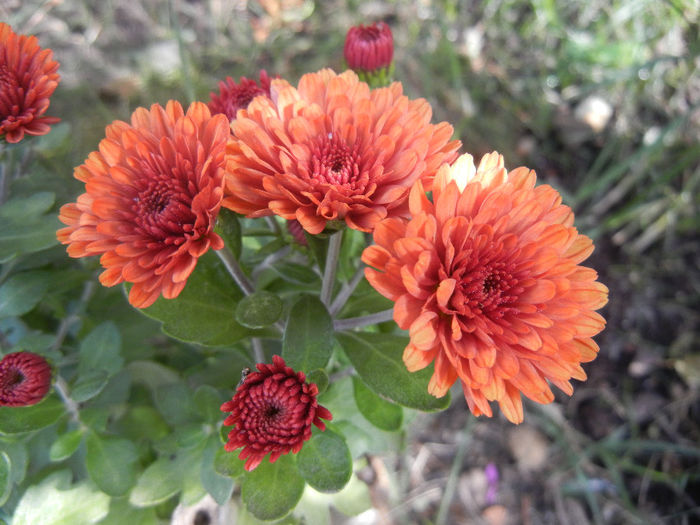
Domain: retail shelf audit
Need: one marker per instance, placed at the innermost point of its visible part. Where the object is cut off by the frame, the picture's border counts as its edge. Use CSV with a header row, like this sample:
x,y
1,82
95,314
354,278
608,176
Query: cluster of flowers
x,y
482,264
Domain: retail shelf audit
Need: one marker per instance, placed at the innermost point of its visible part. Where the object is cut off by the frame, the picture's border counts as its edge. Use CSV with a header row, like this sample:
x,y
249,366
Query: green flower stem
x,y
357,322
346,292
258,353
451,485
61,387
235,270
334,244
67,321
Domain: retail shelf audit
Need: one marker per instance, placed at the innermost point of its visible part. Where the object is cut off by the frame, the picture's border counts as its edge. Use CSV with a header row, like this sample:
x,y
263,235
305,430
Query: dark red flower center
x,y
161,209
487,289
12,379
334,162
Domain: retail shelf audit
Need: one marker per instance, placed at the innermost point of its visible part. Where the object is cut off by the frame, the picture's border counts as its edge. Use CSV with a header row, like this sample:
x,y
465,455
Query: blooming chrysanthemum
x,y
272,410
333,150
153,192
28,78
369,48
487,281
25,379
233,96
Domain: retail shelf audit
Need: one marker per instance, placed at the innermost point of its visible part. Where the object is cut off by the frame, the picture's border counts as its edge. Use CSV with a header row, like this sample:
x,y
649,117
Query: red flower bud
x,y
369,48
233,96
272,412
25,379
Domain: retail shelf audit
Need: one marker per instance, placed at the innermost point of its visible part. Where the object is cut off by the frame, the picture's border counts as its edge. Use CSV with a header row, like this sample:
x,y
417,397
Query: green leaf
x,y
25,228
22,292
308,337
152,374
175,402
111,463
259,309
161,480
229,228
220,487
378,360
5,477
101,350
88,385
379,412
296,273
228,464
14,420
319,378
272,490
55,502
207,401
65,445
121,512
204,311
143,422
325,462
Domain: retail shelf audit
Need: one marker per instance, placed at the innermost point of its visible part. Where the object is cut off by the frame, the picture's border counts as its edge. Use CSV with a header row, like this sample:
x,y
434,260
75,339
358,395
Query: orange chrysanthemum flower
x,y
487,281
28,78
153,192
333,150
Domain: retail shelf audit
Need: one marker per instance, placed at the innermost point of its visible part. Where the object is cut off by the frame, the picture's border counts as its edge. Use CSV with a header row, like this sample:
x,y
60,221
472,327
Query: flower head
x,y
333,150
272,410
369,48
153,192
487,281
28,78
25,379
233,96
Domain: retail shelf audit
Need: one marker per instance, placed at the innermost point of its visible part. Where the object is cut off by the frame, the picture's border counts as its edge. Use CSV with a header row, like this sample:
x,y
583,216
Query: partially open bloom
x,y
25,379
28,78
153,192
487,281
272,412
369,48
233,96
333,150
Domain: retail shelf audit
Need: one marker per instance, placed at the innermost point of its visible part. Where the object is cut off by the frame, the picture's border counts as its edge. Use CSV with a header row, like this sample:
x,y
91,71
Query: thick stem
x,y
236,271
334,244
357,322
346,292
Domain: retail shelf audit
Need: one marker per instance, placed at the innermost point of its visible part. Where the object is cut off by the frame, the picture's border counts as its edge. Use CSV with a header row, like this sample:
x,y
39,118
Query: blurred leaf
x,y
207,401
175,402
88,385
121,513
203,312
272,490
110,463
296,273
319,378
259,309
143,422
378,360
54,502
227,463
325,462
354,498
19,459
229,228
22,292
5,477
14,420
217,485
307,342
65,445
24,227
100,350
382,414
152,374
161,480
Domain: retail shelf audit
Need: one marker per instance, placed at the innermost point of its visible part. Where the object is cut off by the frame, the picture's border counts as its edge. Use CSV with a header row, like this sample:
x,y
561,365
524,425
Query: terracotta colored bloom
x,y
232,96
369,48
487,281
153,192
28,78
25,379
272,410
333,150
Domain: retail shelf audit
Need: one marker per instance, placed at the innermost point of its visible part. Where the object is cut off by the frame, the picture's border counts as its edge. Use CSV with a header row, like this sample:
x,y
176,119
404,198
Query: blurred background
x,y
600,97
